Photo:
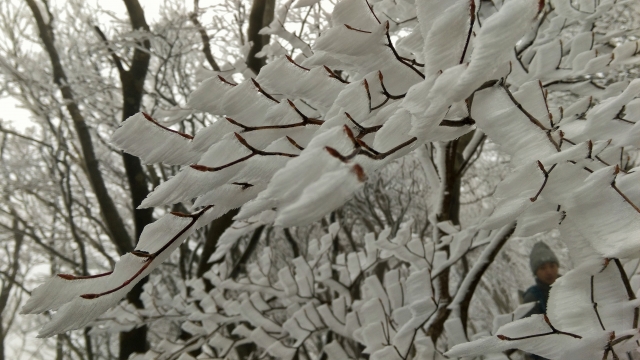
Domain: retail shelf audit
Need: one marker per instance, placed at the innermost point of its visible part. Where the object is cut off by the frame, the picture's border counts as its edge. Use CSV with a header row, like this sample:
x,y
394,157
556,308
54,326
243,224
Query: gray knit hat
x,y
540,254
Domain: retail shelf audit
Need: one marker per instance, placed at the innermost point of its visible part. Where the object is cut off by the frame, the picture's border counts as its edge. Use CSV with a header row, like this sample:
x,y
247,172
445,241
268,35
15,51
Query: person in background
x,y
544,265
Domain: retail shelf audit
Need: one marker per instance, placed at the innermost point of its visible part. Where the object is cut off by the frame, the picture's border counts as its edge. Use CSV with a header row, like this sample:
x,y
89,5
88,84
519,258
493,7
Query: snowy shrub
x,y
387,79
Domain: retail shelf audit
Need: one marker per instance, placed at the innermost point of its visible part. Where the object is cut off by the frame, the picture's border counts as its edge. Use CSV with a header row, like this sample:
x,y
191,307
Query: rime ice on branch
x,y
301,138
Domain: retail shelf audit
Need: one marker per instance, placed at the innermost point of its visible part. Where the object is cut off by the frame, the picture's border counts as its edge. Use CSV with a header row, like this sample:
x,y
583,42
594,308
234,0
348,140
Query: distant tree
x,y
73,121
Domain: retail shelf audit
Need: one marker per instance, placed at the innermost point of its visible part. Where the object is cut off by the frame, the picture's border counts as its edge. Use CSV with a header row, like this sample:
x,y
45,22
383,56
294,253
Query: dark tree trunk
x,y
132,90
262,12
450,212
1,340
216,228
246,255
206,46
135,341
464,305
113,221
261,16
9,281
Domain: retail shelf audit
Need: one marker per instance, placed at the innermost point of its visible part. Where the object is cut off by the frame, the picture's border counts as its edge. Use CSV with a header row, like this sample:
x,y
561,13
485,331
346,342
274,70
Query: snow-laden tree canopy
x,y
299,139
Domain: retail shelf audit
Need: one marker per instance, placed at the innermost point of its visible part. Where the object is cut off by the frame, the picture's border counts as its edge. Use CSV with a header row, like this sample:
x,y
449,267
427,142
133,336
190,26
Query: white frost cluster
x,y
302,137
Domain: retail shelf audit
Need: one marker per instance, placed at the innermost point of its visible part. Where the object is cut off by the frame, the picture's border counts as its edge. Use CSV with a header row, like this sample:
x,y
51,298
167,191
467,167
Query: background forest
x,y
69,196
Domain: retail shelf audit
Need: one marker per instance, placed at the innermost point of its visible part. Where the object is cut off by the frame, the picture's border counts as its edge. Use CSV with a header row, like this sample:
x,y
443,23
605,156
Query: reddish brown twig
x,y
150,257
544,182
552,332
148,117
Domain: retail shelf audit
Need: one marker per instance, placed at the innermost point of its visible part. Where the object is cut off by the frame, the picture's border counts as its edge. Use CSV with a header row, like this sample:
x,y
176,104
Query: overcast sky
x,y
9,111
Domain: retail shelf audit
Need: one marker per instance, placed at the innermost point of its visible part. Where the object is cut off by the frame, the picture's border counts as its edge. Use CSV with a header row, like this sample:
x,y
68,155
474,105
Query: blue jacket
x,y
540,294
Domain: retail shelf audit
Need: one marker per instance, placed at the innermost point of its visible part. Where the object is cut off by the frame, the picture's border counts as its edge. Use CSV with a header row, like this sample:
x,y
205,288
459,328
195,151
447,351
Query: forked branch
x,y
553,331
544,182
149,257
244,143
384,89
395,53
368,152
531,118
363,130
630,294
624,196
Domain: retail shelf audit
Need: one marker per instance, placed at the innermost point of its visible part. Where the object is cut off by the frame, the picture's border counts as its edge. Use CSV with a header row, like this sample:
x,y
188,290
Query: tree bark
x,y
117,230
206,46
216,228
292,242
132,90
492,252
246,255
135,340
8,283
262,12
450,211
261,16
